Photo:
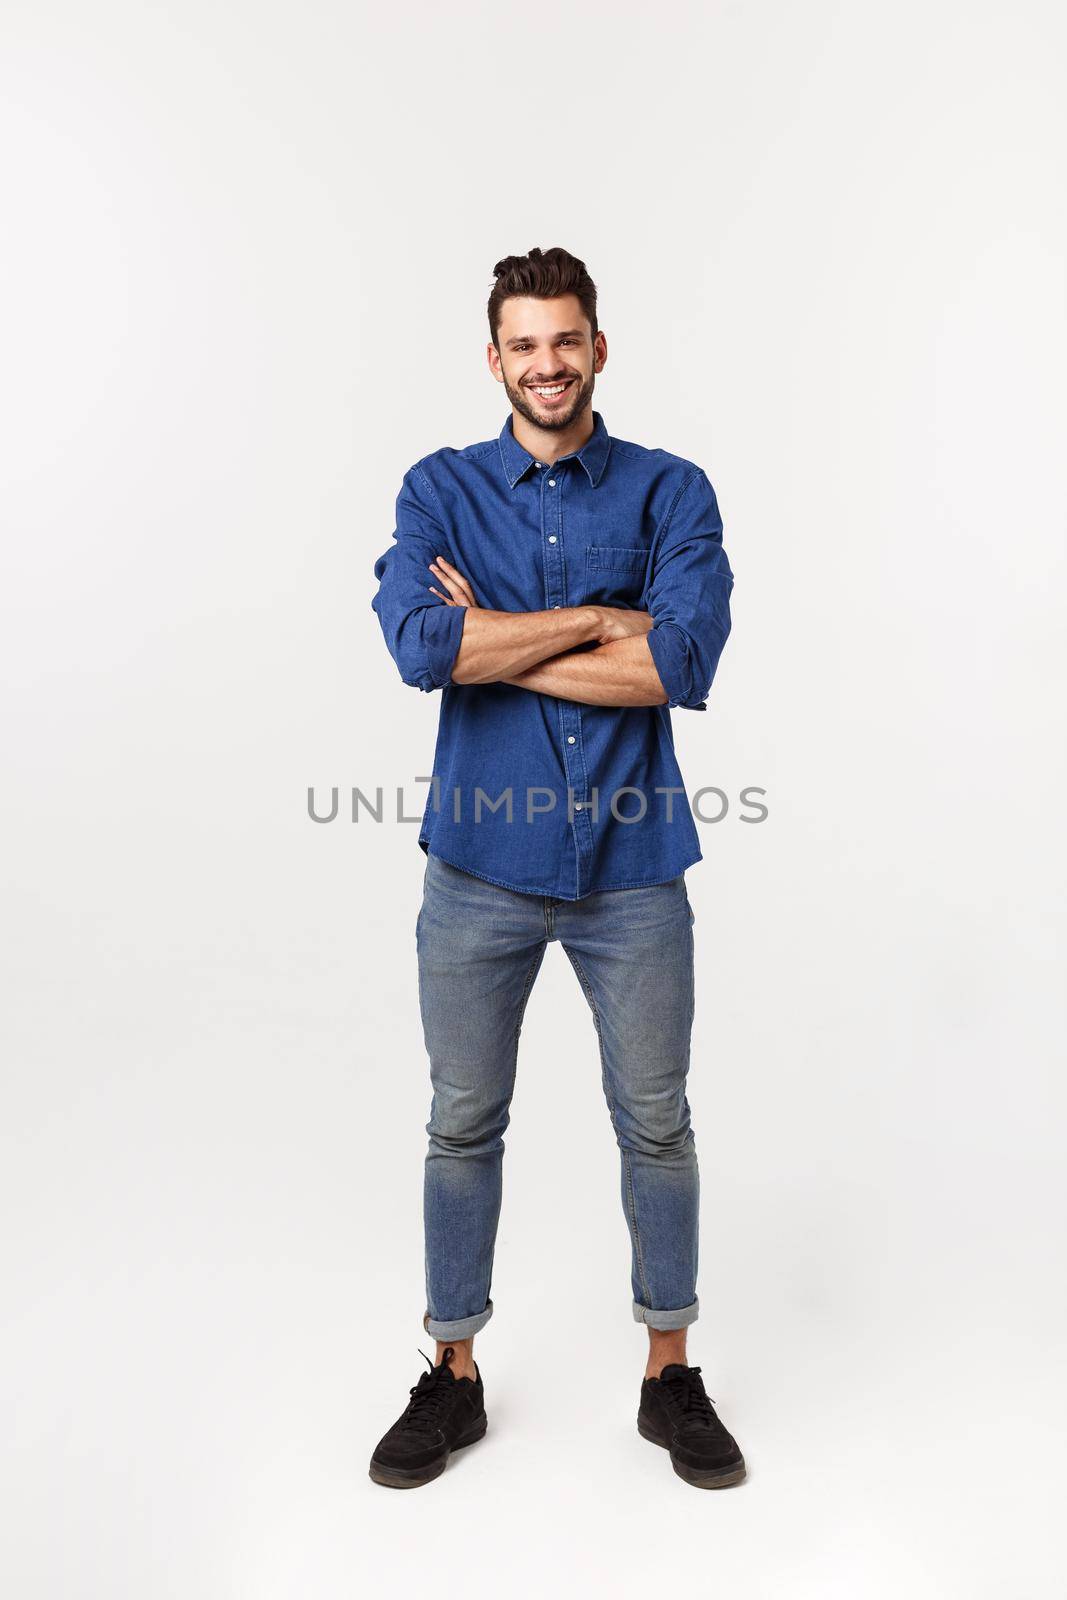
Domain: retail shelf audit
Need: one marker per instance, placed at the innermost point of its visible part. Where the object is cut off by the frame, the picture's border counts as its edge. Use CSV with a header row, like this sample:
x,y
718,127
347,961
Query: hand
x,y
616,622
460,592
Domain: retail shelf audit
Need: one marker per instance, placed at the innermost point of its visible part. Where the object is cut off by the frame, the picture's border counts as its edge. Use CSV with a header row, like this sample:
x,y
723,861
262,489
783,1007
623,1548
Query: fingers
x,y
455,594
453,580
453,591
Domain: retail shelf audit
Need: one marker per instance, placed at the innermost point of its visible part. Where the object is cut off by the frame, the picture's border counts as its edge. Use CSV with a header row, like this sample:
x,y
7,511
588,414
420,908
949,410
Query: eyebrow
x,y
528,338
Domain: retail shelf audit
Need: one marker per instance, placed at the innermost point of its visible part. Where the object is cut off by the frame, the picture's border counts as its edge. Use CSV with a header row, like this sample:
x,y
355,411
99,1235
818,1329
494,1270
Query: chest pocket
x,y
615,573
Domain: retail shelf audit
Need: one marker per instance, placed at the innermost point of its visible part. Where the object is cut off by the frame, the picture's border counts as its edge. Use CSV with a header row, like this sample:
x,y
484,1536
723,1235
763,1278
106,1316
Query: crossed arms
x,y
537,649
666,655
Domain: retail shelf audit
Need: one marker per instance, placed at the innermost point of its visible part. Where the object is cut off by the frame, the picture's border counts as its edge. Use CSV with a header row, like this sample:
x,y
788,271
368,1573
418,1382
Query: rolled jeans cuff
x,y
666,1320
463,1328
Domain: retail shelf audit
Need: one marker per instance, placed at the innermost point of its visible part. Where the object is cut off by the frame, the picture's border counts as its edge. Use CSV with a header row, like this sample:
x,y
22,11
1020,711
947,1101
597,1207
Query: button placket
x,y
570,714
551,531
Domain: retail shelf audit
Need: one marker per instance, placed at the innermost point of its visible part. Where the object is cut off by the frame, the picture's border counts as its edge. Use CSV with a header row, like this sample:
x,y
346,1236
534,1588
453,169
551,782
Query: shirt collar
x,y
593,455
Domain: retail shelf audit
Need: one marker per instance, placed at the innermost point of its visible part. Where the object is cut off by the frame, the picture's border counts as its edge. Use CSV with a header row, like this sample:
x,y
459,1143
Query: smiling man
x,y
564,590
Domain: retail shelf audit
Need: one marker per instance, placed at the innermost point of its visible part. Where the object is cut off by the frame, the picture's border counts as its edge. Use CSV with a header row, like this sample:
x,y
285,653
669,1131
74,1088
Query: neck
x,y
548,444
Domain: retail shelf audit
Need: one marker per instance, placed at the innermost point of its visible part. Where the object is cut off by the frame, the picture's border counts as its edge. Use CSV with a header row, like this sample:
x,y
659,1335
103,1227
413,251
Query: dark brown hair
x,y
545,274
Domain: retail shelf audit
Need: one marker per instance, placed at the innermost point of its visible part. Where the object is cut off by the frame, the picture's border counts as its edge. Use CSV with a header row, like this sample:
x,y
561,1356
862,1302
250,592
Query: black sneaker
x,y
444,1414
676,1413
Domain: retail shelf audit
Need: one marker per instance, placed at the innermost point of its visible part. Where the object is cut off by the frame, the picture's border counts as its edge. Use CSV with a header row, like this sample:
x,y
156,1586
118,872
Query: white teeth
x,y
556,389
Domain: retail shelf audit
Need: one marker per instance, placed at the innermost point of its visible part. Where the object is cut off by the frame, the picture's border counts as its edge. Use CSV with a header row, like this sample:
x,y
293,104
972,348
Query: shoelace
x,y
685,1393
429,1396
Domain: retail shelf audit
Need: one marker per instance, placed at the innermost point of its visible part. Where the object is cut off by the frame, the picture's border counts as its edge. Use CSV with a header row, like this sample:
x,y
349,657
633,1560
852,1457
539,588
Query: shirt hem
x,y
634,883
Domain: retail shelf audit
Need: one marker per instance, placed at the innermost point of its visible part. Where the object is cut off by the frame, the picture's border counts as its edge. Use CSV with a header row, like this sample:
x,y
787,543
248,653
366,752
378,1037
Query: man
x,y
565,590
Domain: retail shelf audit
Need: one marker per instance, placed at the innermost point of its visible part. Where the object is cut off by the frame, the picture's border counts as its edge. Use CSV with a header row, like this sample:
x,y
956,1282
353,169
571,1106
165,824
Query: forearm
x,y
496,645
620,673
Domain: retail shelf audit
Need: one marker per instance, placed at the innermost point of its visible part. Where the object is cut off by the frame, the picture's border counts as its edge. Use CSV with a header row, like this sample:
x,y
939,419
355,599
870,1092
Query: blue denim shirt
x,y
536,793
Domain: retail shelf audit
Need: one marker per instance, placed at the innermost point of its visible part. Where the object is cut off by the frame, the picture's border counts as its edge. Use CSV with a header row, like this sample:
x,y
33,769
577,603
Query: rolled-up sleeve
x,y
421,631
689,596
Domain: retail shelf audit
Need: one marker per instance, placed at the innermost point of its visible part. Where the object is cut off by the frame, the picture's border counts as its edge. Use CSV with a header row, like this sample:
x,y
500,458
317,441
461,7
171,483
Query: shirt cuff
x,y
442,632
670,653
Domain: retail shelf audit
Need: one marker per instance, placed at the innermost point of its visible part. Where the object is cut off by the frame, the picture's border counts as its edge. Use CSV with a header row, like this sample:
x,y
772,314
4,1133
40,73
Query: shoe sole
x,y
721,1479
415,1477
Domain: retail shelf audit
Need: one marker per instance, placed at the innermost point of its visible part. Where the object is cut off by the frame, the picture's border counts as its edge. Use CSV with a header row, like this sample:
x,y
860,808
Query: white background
x,y
247,253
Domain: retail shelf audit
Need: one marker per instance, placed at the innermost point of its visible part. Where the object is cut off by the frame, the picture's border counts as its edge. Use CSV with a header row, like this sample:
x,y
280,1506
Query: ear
x,y
493,357
600,352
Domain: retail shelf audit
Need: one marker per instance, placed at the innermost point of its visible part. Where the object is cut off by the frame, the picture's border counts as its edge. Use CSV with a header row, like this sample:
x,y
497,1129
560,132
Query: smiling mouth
x,y
551,394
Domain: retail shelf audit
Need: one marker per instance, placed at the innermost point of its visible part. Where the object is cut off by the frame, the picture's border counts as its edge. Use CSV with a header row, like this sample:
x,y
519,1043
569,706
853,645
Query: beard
x,y
553,421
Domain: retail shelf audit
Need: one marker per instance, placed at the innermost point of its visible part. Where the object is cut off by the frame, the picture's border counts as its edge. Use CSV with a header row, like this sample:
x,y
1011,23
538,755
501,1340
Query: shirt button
x,y
537,463
578,807
556,606
551,483
552,538
570,738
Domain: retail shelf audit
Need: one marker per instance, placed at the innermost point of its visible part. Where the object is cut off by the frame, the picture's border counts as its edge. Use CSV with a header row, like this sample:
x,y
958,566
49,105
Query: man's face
x,y
547,359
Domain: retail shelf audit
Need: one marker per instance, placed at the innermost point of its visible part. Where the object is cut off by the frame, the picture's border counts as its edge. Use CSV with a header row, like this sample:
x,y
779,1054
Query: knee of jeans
x,y
663,1131
457,1128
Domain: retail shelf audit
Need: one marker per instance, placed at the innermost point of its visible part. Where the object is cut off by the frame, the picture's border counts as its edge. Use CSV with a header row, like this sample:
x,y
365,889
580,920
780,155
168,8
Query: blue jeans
x,y
480,948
